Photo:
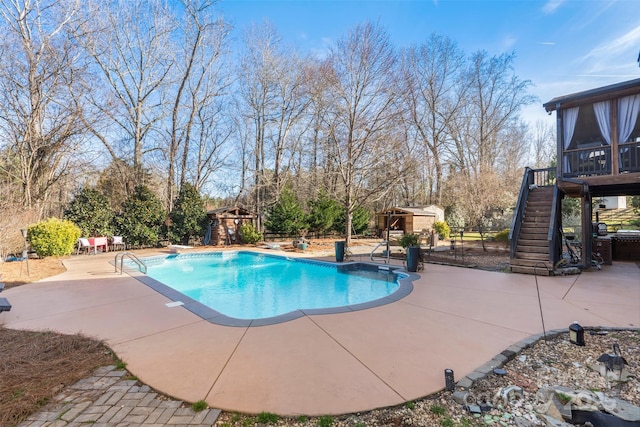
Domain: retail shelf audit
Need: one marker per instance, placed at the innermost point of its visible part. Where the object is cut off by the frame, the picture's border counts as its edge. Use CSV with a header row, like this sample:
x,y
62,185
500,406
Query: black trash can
x,y
340,250
413,255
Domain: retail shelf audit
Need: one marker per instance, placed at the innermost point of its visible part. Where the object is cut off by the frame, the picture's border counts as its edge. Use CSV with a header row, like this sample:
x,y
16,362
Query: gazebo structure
x,y
226,222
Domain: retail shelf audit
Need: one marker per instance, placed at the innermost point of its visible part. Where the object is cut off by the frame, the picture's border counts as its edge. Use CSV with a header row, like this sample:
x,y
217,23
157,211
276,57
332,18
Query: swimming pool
x,y
240,288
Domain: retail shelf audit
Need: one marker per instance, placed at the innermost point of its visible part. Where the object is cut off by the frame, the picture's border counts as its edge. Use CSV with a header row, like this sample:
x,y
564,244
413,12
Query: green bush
x,y
359,221
409,240
287,215
53,237
141,219
502,236
249,234
188,217
90,211
323,213
442,228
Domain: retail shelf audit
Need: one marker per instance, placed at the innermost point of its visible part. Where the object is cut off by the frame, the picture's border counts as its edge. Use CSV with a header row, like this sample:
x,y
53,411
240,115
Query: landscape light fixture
x,y
449,381
576,334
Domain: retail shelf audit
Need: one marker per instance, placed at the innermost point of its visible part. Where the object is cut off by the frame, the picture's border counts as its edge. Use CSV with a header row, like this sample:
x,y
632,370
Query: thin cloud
x,y
547,43
606,52
551,6
509,41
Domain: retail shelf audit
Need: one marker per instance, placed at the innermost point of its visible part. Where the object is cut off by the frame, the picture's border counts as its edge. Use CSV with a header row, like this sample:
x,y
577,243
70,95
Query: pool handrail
x,y
385,257
141,265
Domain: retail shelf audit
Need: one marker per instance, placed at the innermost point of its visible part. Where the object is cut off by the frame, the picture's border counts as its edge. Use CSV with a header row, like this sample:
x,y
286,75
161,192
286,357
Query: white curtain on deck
x,y
603,116
569,119
628,110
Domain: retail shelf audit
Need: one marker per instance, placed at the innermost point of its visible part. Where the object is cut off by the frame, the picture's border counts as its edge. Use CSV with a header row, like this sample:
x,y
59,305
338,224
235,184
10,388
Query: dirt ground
x,y
15,273
37,365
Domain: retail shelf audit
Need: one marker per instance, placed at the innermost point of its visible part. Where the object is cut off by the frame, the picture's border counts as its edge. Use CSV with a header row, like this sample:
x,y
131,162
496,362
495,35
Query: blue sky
x,y
562,46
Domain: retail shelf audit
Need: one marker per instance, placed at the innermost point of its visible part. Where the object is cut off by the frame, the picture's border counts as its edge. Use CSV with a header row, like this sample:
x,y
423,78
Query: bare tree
x,y
129,48
318,156
363,117
41,129
198,85
272,91
543,144
487,138
514,147
433,93
495,96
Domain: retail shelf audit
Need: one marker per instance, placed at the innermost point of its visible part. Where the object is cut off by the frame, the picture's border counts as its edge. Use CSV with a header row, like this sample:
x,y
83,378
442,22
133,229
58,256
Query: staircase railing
x,y
518,214
531,178
121,256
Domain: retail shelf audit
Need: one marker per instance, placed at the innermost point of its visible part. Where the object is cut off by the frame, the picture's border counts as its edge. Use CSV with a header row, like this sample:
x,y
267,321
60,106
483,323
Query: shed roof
x,y
413,210
230,211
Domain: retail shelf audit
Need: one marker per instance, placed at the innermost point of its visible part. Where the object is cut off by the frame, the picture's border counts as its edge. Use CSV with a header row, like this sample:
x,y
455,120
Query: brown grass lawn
x,y
34,366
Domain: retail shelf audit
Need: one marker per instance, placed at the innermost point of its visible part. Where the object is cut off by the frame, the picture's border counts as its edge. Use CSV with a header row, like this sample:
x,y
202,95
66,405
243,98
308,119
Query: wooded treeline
x,y
111,94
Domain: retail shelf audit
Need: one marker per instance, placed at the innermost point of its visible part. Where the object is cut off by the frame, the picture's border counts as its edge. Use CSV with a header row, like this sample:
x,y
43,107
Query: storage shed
x,y
404,220
225,224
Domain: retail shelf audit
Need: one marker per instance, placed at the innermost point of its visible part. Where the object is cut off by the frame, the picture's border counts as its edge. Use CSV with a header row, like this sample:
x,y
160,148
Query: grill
x,y
626,245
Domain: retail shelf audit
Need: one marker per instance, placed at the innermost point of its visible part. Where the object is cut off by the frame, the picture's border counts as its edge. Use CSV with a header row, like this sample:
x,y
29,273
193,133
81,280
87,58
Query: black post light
x,y
388,233
25,253
462,244
453,246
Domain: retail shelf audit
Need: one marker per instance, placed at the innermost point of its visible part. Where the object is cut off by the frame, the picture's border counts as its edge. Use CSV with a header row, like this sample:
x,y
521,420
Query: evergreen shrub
x,y
53,237
90,211
188,217
287,215
249,234
442,228
142,218
502,236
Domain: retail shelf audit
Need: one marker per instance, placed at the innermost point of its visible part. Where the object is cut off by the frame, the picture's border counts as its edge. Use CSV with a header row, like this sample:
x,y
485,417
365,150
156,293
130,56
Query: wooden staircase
x,y
532,251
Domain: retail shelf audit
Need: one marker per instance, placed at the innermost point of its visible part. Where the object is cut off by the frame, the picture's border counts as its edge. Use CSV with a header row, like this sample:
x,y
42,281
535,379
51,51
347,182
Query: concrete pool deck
x,y
455,318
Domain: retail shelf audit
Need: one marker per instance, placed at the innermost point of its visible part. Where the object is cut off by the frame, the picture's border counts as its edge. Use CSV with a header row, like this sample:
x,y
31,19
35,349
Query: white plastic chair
x,y
82,245
118,241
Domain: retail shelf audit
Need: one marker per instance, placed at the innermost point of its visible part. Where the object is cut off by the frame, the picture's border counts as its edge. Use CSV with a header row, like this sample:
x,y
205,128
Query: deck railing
x,y
587,161
629,157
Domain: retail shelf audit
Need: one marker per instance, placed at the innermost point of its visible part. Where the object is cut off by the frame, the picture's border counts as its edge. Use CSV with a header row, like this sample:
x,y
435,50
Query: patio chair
x,y
83,244
118,241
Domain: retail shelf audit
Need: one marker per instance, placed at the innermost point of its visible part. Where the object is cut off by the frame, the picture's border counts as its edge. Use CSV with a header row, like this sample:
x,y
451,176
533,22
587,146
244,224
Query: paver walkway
x,y
107,399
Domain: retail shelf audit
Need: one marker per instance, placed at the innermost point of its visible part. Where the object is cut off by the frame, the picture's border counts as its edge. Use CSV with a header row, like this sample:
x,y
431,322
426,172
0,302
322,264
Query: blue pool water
x,y
246,285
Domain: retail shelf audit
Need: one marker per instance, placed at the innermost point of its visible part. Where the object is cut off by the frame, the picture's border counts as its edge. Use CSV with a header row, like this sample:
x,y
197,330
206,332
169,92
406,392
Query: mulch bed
x,y
35,366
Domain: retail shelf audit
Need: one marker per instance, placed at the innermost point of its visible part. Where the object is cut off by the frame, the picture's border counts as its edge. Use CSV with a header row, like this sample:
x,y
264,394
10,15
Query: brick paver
x,y
106,399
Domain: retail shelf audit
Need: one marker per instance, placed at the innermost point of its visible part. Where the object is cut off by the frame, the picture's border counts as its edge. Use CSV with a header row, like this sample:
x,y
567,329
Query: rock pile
x,y
556,383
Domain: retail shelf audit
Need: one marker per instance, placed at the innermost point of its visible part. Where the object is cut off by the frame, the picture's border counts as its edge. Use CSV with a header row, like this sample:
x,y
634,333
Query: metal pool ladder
x,y
385,257
121,255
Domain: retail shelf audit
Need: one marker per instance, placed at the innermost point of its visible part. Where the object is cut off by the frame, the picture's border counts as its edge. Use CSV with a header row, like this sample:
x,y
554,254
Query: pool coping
x,y
405,287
